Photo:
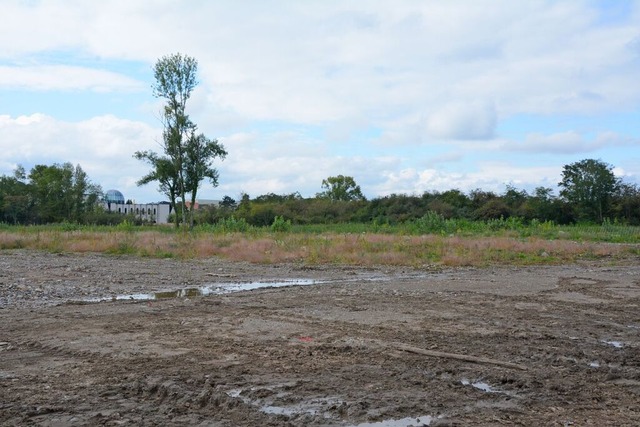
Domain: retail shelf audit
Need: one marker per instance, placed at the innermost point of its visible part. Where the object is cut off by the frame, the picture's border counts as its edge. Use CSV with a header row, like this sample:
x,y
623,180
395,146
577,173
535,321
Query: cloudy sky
x,y
405,96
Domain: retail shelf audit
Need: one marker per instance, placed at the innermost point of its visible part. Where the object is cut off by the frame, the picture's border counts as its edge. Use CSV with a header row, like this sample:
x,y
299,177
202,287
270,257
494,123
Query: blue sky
x,y
405,96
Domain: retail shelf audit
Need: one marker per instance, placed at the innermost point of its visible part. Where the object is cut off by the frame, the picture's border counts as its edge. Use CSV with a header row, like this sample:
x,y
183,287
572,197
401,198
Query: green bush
x,y
433,222
280,225
231,225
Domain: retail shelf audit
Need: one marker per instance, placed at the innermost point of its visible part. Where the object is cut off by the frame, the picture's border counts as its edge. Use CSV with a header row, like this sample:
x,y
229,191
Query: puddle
x,y
235,392
206,290
616,344
403,422
480,386
288,410
324,407
487,388
315,407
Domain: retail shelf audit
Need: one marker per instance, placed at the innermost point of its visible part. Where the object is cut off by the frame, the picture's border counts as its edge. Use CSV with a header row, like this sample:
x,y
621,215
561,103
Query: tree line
x,y
49,194
589,192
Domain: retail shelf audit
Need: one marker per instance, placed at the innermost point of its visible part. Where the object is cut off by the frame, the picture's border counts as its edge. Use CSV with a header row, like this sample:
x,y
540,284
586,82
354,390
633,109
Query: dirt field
x,y
360,347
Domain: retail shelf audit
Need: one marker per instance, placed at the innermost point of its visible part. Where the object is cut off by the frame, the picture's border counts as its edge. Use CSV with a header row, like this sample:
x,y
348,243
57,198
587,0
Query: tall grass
x,y
431,241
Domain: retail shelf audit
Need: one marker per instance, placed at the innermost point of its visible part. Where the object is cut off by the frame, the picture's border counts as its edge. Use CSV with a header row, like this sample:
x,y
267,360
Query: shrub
x,y
433,222
280,224
232,225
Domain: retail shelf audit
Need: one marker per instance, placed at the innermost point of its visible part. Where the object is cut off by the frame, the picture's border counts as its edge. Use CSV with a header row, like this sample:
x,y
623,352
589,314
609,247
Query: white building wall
x,y
156,212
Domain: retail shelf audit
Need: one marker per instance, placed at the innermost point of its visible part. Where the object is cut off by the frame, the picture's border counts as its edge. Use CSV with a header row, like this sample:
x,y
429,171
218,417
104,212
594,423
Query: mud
x,y
363,346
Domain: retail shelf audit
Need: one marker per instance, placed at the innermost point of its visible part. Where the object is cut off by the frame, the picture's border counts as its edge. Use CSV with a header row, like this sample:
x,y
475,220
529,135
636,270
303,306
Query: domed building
x,y
114,196
158,213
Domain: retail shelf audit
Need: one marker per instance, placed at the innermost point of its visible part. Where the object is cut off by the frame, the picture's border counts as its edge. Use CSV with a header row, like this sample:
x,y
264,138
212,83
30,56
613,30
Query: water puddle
x,y
480,386
289,411
403,422
234,393
323,408
315,407
616,344
206,290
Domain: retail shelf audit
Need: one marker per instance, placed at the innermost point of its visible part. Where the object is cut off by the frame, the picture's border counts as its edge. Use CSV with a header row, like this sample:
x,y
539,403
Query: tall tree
x,y
14,197
175,80
189,156
626,203
84,194
540,204
341,188
199,155
61,192
589,186
163,170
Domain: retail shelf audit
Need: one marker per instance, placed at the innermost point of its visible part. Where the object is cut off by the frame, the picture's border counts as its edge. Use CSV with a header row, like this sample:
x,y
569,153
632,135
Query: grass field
x,y
434,243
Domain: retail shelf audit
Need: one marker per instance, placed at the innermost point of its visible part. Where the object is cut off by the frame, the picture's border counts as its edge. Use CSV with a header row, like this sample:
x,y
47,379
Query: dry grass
x,y
355,249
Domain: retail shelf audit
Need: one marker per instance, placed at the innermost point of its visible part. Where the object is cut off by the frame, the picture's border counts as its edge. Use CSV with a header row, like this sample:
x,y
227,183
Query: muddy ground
x,y
552,345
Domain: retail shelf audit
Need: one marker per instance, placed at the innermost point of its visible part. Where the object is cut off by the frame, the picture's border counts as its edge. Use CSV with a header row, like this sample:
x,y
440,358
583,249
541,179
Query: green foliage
x,y
626,204
188,156
64,194
341,188
124,247
433,222
15,202
163,170
49,194
200,152
397,208
126,226
100,216
227,225
493,208
589,185
280,225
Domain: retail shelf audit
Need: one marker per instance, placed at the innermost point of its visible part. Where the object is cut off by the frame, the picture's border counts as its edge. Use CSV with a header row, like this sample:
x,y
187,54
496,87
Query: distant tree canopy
x,y
340,188
49,194
342,201
589,192
590,187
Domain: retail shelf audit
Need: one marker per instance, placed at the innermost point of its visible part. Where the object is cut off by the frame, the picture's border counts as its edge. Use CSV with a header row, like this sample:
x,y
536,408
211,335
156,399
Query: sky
x,y
405,96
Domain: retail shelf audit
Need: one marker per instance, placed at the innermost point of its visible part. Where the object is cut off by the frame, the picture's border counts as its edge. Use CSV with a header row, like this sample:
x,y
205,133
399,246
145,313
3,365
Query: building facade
x,y
157,213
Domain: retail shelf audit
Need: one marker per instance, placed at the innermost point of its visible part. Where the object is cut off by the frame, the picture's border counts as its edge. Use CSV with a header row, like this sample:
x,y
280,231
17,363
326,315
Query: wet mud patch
x,y
202,291
374,346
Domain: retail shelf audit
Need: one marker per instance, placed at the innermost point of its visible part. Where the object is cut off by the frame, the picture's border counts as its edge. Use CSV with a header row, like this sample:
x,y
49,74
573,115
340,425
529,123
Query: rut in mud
x,y
370,347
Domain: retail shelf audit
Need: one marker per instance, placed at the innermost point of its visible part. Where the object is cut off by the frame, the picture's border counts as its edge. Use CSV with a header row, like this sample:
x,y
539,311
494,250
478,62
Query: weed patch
x,y
539,243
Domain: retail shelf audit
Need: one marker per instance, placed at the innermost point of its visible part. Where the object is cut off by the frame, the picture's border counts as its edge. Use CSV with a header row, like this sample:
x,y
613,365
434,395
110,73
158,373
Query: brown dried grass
x,y
355,249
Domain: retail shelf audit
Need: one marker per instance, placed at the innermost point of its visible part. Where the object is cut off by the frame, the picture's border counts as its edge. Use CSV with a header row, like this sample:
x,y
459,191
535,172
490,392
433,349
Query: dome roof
x,y
114,196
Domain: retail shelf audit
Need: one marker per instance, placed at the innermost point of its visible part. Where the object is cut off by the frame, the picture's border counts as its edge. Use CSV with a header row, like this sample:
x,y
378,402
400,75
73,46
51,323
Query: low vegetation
x,y
595,216
429,242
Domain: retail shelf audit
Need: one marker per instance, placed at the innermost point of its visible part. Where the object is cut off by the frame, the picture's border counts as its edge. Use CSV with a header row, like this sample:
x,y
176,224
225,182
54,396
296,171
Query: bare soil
x,y
553,345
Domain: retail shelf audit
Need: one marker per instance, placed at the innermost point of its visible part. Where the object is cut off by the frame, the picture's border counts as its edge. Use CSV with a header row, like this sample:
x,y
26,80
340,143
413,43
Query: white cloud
x,y
41,137
490,176
334,60
472,120
293,165
283,82
63,77
570,142
103,146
